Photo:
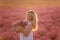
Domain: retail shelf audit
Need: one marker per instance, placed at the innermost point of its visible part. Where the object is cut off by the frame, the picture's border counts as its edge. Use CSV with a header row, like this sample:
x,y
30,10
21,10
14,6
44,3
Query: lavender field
x,y
49,23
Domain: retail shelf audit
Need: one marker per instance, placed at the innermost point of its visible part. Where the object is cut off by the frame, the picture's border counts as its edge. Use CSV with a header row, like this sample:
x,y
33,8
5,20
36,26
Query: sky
x,y
29,3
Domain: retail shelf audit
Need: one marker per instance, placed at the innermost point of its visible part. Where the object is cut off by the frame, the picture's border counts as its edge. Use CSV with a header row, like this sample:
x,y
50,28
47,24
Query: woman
x,y
32,25
26,31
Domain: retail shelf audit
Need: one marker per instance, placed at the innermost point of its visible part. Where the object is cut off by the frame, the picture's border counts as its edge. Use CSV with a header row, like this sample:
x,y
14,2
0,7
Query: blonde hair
x,y
35,19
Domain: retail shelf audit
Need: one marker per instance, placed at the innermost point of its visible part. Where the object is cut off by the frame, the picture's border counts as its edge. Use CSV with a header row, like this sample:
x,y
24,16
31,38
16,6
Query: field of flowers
x,y
49,23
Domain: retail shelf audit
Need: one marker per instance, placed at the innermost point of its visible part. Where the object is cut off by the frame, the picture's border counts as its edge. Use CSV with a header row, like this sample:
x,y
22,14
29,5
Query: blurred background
x,y
48,14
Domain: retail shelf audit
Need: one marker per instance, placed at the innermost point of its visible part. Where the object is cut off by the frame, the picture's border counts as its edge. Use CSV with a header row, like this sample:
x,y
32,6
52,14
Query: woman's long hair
x,y
34,20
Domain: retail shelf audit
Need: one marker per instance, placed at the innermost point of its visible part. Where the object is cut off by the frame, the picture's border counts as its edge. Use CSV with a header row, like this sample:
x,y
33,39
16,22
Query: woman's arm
x,y
20,29
26,32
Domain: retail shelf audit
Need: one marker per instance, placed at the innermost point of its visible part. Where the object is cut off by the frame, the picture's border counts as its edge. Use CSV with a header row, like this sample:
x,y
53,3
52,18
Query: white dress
x,y
30,36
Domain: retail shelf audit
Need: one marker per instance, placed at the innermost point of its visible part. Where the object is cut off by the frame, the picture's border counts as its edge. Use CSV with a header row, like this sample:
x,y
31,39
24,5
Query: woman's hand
x,y
18,29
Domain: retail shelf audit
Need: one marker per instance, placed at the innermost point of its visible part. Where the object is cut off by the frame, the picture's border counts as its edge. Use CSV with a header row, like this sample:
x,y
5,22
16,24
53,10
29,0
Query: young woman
x,y
31,25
